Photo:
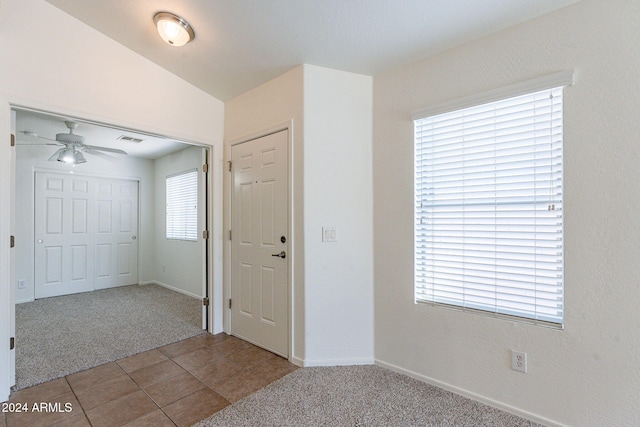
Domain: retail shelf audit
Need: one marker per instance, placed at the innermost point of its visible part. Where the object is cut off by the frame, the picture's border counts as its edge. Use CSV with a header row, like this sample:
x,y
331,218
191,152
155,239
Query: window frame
x,y
556,80
187,229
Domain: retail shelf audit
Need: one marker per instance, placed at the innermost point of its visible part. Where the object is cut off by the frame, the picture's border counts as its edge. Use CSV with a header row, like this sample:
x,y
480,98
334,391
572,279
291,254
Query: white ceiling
x,y
241,44
46,126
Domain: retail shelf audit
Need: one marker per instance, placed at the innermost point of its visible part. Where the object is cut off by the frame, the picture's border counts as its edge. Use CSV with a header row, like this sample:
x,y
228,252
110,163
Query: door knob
x,y
282,254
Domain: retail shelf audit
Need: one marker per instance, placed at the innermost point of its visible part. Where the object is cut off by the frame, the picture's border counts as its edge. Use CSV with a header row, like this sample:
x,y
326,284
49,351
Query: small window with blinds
x,y
488,208
182,206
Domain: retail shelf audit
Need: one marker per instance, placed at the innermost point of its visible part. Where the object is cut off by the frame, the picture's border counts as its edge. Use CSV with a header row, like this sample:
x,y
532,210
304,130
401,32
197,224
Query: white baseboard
x,y
22,301
297,361
164,285
336,362
471,395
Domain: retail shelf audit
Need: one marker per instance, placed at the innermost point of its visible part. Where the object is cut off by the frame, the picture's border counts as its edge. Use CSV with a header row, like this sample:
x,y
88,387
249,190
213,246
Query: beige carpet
x,y
62,335
357,396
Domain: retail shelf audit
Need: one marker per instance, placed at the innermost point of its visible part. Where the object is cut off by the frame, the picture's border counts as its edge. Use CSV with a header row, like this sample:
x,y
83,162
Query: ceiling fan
x,y
73,147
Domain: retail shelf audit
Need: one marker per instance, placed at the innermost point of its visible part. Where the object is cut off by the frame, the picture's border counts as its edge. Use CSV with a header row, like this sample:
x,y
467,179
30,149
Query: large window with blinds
x,y
488,208
182,206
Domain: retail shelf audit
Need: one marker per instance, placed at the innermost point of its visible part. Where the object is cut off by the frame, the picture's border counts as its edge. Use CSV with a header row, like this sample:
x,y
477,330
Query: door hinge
x,y
12,343
205,168
12,241
229,162
205,301
13,140
229,302
205,234
229,234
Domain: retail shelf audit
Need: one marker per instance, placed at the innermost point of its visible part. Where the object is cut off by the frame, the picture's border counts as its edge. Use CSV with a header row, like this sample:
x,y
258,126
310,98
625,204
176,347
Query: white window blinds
x,y
488,208
182,206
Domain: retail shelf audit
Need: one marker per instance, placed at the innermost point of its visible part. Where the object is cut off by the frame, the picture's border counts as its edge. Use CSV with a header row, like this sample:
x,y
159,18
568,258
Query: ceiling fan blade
x,y
91,148
55,155
31,138
35,135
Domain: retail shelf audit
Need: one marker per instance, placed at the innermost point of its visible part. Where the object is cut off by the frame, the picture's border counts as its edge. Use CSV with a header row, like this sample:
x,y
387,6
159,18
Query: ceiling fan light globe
x,y
79,158
67,156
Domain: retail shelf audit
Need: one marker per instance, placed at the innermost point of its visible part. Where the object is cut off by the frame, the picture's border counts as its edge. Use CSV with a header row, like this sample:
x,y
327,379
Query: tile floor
x,y
175,385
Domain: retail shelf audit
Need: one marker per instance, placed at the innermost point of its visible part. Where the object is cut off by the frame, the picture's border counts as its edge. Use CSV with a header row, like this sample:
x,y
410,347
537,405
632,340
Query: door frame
x,y
214,244
228,192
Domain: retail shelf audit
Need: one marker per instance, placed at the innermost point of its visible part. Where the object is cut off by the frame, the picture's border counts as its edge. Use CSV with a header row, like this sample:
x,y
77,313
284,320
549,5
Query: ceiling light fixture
x,y
70,155
173,29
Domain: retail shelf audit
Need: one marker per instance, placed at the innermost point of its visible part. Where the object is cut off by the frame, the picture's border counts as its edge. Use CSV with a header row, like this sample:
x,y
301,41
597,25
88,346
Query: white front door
x,y
86,233
259,257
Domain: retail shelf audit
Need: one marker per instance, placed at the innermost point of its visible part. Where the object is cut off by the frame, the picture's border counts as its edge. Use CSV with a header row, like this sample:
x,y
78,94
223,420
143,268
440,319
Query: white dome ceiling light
x,y
174,30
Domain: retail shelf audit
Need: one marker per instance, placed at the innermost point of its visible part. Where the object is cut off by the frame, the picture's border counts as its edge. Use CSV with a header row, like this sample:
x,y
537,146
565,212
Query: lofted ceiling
x,y
241,44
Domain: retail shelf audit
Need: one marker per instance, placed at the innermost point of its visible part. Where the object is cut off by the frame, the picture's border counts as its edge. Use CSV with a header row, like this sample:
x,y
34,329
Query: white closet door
x,y
86,233
64,246
116,231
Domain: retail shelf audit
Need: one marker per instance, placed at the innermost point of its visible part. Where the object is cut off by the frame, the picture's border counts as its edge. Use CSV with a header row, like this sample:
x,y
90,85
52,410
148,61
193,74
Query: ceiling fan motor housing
x,y
69,138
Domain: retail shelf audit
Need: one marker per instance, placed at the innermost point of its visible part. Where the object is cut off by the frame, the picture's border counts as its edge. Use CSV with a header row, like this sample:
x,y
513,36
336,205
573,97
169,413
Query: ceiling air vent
x,y
129,139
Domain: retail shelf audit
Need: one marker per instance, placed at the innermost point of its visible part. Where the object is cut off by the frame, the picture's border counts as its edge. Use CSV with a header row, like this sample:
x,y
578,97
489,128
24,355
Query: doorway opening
x,y
98,222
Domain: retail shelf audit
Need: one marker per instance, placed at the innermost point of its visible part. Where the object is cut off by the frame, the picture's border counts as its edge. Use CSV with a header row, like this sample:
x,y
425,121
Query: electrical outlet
x,y
519,361
22,284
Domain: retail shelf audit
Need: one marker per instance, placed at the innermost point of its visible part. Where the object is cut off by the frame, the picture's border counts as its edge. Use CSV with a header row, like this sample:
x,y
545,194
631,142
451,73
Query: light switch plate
x,y
329,234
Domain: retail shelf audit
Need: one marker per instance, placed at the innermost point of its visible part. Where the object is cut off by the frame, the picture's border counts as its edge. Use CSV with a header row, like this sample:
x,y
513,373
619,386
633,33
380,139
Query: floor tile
x,y
212,340
173,388
121,411
155,373
141,360
184,346
106,391
213,373
41,392
239,386
78,420
156,418
272,368
196,358
178,384
246,357
195,407
231,346
94,376
56,409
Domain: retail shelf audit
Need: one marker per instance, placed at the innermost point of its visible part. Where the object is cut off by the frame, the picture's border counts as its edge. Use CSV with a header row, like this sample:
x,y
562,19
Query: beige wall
x,y
53,62
276,103
588,373
330,112
178,264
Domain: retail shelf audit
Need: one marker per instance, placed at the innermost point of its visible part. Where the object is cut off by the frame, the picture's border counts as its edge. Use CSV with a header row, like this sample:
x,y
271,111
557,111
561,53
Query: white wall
x,y
332,282
338,193
30,159
586,375
178,264
54,62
